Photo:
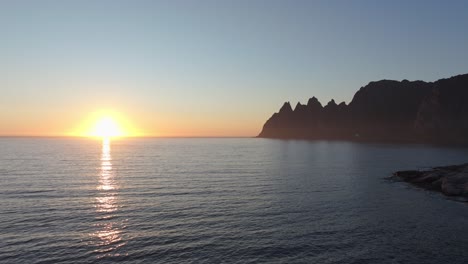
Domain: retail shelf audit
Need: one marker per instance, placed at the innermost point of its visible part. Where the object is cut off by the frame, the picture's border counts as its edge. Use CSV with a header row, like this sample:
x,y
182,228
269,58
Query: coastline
x,y
449,180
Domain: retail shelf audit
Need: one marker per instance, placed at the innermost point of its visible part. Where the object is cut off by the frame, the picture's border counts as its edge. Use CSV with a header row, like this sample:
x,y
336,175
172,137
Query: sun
x,y
106,124
106,127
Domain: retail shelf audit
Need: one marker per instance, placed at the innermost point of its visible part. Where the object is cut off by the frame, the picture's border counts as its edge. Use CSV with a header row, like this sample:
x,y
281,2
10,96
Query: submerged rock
x,y
449,180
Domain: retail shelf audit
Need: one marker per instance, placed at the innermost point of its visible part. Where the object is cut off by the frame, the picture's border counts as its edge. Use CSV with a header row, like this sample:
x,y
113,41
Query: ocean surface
x,y
223,201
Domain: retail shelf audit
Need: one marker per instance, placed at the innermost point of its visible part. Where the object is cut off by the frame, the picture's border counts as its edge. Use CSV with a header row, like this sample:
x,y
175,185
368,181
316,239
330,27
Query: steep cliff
x,y
443,114
385,110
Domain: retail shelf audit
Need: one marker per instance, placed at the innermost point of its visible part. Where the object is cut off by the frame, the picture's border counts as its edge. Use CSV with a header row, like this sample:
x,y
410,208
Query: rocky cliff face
x,y
443,114
382,111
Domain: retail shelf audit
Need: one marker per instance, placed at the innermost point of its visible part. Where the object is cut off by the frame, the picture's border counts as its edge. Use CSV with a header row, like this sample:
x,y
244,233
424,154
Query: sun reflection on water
x,y
109,233
106,179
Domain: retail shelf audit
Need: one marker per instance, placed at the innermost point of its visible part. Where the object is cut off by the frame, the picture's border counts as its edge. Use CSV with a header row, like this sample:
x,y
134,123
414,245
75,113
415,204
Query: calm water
x,y
223,201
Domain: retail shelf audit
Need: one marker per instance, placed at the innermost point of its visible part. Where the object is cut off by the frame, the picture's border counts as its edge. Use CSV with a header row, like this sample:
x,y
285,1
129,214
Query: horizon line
x,y
118,137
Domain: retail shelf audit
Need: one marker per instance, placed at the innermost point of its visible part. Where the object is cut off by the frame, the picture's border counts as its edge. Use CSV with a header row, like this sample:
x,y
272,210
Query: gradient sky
x,y
211,68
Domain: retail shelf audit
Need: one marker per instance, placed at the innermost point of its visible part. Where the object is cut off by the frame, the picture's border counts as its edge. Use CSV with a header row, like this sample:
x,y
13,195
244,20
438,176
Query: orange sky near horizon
x,y
132,124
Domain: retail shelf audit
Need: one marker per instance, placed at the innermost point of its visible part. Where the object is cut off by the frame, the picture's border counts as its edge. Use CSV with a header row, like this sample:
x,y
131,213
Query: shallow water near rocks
x,y
223,201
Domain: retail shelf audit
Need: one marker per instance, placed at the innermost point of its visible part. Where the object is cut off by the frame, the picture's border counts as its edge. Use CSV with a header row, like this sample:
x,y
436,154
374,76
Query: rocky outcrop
x,y
449,180
406,111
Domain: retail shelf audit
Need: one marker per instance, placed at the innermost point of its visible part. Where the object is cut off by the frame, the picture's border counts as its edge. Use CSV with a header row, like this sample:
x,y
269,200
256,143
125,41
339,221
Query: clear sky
x,y
210,68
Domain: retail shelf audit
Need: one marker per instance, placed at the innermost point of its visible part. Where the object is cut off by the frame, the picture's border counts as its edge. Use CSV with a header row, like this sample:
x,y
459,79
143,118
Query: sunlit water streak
x,y
223,201
109,233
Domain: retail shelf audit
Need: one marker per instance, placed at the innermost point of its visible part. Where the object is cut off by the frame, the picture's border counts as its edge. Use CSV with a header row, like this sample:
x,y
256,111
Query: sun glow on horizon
x,y
105,125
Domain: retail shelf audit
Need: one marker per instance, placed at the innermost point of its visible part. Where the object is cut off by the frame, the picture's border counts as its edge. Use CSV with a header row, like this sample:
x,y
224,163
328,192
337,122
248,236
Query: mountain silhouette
x,y
386,110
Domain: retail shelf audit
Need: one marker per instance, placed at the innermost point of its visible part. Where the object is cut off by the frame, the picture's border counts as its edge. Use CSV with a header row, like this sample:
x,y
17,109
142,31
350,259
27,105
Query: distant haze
x,y
210,68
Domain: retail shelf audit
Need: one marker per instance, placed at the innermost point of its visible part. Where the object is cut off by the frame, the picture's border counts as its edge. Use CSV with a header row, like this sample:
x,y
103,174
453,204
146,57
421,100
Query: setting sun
x,y
106,127
105,123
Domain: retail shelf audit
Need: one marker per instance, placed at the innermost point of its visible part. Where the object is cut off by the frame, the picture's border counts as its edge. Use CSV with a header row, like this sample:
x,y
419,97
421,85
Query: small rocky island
x,y
449,180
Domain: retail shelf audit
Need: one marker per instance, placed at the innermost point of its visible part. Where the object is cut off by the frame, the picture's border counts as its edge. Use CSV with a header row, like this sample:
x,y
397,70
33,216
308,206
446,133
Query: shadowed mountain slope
x,y
406,111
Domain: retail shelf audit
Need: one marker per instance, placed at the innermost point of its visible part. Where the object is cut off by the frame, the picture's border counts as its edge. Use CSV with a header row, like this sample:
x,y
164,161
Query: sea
x,y
224,200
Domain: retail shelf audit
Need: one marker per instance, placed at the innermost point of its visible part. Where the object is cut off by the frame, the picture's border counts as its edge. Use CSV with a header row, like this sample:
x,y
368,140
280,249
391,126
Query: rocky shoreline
x,y
449,180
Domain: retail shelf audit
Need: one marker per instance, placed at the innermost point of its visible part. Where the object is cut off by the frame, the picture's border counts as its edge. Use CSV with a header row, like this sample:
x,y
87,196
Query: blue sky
x,y
212,67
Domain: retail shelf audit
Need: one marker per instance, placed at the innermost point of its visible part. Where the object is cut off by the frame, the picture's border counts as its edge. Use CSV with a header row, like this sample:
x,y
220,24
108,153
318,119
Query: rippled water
x,y
223,201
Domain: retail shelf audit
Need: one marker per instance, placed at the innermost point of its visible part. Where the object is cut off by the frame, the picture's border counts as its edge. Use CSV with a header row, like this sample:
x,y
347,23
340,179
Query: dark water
x,y
223,201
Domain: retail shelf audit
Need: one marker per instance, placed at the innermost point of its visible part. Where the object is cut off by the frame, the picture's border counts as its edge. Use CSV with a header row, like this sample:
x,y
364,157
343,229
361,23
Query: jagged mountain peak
x,y
384,110
286,108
